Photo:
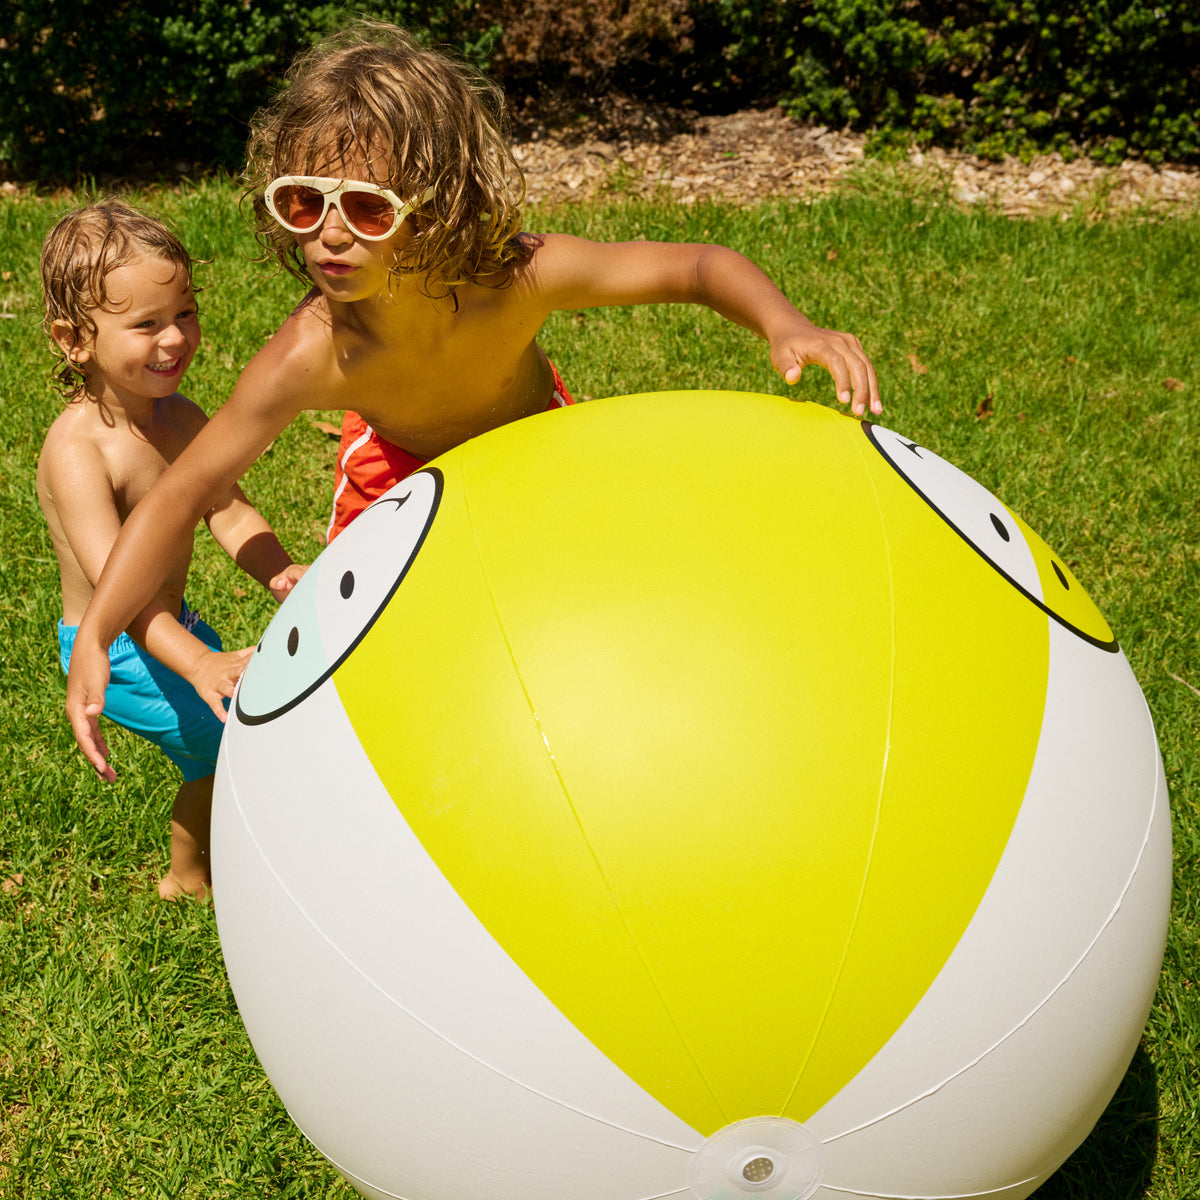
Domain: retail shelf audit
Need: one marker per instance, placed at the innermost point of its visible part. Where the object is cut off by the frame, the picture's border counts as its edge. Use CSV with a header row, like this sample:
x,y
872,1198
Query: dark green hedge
x,y
1116,76
125,89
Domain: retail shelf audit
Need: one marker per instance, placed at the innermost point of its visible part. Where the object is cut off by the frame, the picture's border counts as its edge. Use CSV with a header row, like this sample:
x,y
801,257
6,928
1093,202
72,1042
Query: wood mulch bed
x,y
752,155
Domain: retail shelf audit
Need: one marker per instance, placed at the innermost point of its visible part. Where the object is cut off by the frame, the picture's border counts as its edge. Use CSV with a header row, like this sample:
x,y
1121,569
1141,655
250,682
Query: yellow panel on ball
x,y
732,967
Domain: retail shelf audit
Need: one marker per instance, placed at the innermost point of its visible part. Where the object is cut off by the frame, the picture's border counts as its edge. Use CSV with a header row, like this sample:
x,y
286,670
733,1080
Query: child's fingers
x,y
103,766
86,681
864,388
842,355
864,381
854,377
215,677
283,583
234,666
91,741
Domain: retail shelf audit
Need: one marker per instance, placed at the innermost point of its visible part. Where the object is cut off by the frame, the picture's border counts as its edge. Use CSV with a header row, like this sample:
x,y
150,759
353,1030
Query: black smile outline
x,y
1110,646
262,718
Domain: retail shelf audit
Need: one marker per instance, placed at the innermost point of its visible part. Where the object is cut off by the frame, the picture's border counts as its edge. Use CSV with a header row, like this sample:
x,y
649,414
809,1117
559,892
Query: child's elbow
x,y
715,269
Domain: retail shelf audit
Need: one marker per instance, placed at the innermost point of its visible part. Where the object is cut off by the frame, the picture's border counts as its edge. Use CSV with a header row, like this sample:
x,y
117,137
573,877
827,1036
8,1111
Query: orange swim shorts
x,y
367,465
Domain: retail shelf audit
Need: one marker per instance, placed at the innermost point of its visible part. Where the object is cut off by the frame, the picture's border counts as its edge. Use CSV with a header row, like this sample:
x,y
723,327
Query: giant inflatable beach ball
x,y
693,795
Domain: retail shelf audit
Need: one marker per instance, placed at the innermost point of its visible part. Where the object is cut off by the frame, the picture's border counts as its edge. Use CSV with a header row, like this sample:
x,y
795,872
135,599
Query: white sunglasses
x,y
300,202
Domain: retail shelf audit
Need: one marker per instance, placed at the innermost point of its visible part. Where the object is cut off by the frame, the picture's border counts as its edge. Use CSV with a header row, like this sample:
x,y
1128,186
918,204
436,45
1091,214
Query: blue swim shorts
x,y
157,704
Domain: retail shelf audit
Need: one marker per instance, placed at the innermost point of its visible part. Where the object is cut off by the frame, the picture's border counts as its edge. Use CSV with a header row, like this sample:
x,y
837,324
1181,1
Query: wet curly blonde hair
x,y
418,118
79,254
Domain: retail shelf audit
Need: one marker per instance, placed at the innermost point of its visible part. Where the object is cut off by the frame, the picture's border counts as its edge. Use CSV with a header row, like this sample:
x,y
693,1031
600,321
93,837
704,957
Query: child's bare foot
x,y
172,888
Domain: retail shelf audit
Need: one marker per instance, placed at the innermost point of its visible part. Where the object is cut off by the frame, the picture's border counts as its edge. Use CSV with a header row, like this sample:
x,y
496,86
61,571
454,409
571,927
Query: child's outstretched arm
x,y
213,673
76,491
573,273
160,526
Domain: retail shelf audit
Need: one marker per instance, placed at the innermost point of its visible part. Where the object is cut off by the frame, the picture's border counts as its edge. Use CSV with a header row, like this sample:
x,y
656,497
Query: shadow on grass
x,y
1117,1159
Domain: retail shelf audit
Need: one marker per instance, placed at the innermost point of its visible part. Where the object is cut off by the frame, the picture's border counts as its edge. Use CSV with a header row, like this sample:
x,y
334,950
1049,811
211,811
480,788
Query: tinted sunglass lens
x,y
370,214
300,207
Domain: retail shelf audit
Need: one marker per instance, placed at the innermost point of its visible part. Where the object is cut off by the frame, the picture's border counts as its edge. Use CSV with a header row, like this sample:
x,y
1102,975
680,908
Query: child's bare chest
x,y
136,462
429,394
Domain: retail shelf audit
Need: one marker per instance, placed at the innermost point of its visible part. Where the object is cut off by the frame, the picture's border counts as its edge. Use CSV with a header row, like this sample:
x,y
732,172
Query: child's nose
x,y
334,229
173,336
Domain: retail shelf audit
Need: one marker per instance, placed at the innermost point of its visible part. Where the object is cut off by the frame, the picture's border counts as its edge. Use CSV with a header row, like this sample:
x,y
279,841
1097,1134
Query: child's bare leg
x,y
190,874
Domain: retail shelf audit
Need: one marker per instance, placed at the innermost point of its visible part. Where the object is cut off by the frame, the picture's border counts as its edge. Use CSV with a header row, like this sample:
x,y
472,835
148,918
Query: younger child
x,y
383,177
121,308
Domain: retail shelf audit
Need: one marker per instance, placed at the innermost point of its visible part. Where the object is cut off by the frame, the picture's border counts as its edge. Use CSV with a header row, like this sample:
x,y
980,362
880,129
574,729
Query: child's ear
x,y
70,341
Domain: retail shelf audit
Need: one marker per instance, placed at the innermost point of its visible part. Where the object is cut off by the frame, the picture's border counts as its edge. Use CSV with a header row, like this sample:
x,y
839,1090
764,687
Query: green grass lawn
x,y
1055,360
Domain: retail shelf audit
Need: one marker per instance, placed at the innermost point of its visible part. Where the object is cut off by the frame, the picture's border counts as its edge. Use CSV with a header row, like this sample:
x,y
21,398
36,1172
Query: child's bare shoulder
x,y
76,438
302,342
88,446
181,415
75,461
562,264
297,359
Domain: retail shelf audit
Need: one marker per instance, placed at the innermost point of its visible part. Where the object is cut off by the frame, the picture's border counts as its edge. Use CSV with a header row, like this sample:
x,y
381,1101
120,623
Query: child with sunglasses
x,y
383,178
122,311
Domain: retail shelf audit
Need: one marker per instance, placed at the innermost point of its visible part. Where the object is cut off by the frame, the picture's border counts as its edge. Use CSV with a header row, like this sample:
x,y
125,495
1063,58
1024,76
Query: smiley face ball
x,y
692,795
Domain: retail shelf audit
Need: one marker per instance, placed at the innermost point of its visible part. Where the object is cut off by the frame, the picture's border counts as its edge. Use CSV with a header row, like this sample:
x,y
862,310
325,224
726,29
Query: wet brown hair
x,y
418,118
78,255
